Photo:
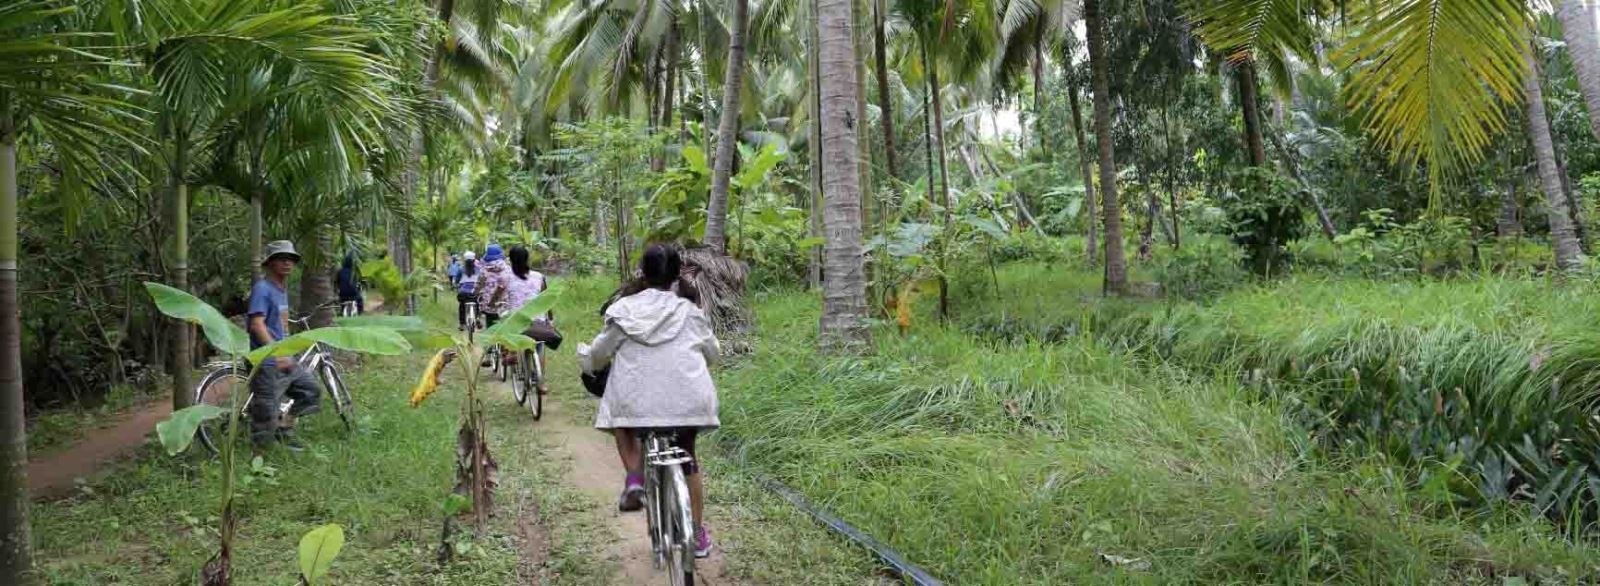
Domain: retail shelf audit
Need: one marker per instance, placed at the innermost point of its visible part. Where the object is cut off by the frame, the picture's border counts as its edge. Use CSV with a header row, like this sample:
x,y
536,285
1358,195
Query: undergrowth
x,y
1486,385
1059,463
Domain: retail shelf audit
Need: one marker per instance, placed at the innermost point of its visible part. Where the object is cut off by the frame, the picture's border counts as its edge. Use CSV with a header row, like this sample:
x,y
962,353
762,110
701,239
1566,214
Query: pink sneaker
x,y
632,498
702,543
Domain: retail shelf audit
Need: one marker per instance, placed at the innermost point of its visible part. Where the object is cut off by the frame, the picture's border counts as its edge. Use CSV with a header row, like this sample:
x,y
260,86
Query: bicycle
x,y
526,373
216,388
471,324
670,518
348,308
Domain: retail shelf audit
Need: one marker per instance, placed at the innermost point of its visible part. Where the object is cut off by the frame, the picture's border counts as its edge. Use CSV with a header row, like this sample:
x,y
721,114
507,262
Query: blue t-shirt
x,y
272,303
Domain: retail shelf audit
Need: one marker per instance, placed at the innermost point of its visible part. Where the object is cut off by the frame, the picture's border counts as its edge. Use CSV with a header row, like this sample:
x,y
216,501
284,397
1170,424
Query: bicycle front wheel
x,y
680,525
535,372
217,389
339,393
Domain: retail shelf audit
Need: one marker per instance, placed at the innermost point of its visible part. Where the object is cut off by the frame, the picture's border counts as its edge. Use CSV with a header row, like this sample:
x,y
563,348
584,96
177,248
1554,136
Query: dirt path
x,y
54,475
597,471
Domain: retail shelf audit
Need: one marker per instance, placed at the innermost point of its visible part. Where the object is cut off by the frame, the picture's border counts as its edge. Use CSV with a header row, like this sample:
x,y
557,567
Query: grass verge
x,y
1059,463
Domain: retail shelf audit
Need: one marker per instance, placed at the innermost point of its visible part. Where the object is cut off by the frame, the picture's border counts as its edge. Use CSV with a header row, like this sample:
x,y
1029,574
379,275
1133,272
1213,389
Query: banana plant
x,y
475,467
178,431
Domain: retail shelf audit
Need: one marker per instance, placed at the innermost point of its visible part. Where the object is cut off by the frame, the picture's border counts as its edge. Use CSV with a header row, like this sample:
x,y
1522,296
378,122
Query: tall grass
x,y
1023,463
1492,384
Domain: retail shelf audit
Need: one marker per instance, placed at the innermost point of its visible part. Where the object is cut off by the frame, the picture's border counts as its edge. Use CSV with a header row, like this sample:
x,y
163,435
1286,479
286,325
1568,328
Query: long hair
x,y
519,262
469,268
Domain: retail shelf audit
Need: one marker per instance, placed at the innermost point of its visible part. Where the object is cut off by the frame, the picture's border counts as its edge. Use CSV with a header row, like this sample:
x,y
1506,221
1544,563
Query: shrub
x,y
1263,216
1201,268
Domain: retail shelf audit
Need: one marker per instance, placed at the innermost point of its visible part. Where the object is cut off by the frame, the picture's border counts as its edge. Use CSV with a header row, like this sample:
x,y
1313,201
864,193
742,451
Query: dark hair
x,y
350,260
519,261
469,268
660,265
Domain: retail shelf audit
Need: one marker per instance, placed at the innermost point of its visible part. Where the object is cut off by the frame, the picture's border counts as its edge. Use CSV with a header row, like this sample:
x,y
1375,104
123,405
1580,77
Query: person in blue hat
x,y
495,270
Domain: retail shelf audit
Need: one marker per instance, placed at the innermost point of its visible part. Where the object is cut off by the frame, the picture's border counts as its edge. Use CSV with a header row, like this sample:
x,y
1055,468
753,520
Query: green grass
x,y
1022,463
153,520
1488,382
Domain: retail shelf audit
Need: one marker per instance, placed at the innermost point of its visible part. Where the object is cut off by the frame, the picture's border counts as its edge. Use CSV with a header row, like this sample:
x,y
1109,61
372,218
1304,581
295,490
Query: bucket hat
x,y
279,248
494,253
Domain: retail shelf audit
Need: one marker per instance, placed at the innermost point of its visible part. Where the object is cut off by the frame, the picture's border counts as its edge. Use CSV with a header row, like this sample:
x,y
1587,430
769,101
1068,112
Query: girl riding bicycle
x,y
516,288
660,347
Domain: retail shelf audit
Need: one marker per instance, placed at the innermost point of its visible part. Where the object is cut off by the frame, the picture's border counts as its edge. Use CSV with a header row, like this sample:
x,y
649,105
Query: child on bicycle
x,y
466,290
277,377
516,287
660,347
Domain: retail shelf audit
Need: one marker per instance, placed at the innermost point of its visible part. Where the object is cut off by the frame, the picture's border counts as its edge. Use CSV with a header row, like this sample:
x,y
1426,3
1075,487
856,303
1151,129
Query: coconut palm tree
x,y
52,89
727,130
199,56
1563,236
844,291
1116,260
1578,28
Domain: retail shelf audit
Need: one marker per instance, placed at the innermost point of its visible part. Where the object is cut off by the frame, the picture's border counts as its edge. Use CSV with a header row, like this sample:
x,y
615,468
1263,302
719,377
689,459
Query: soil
x,y
56,475
597,471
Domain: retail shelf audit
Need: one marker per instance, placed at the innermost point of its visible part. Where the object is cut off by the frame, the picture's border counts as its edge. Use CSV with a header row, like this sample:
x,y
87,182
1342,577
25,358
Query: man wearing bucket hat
x,y
277,377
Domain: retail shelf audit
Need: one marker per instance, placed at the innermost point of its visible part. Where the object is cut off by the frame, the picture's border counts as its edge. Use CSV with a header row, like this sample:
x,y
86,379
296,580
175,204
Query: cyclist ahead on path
x,y
454,270
517,287
277,377
660,347
350,284
491,279
466,289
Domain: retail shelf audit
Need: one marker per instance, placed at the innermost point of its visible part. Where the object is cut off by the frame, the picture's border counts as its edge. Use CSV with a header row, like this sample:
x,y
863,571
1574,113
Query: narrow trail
x,y
597,472
55,474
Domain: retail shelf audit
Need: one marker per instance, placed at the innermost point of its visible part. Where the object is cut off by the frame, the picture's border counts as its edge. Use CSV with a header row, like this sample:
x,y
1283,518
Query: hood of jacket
x,y
497,266
651,317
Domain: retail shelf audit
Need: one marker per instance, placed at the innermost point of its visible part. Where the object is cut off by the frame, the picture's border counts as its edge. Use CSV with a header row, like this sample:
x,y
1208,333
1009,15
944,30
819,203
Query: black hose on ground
x,y
889,556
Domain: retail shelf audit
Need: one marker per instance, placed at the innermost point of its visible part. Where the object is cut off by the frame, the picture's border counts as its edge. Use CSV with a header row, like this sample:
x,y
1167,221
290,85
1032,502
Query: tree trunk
x,y
1508,225
1038,73
885,100
863,130
935,101
727,132
1578,27
316,279
814,147
16,562
1562,236
927,139
1092,234
671,77
257,229
183,333
1252,114
844,293
1116,268
400,233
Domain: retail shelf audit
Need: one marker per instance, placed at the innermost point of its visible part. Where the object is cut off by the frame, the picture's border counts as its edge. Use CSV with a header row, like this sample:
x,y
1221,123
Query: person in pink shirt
x,y
515,290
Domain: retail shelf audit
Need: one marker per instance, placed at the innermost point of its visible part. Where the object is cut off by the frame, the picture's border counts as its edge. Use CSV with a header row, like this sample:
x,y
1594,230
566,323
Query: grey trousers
x,y
268,389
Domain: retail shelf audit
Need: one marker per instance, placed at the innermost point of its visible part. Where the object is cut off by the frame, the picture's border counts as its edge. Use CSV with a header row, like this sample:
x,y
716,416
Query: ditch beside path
x,y
57,473
597,472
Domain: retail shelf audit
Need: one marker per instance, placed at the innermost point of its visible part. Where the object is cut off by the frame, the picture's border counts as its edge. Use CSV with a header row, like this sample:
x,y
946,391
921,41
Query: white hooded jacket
x,y
660,347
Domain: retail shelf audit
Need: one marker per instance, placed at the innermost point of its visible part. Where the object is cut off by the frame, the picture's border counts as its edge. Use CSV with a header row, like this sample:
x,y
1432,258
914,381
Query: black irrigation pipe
x,y
888,555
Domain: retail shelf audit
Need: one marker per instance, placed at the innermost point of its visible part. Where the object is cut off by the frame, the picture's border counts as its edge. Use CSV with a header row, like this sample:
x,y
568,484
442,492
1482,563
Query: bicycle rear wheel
x,y
680,522
217,389
342,402
519,383
535,372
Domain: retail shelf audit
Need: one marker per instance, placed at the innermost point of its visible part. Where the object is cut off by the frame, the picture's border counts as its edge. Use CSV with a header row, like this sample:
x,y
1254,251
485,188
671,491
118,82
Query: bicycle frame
x,y
661,454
